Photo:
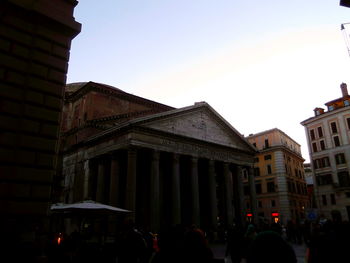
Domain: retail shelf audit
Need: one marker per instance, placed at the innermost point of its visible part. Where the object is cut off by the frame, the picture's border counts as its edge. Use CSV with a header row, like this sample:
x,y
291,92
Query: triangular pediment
x,y
198,122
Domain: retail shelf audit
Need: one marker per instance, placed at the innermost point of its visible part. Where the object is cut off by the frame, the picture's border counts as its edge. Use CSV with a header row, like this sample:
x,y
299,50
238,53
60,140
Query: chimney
x,y
344,89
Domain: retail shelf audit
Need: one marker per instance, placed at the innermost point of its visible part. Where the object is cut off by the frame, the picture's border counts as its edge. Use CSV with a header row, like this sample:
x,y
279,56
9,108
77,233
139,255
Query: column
x,y
253,201
212,195
86,180
100,188
131,182
155,193
114,181
175,191
241,208
195,217
228,194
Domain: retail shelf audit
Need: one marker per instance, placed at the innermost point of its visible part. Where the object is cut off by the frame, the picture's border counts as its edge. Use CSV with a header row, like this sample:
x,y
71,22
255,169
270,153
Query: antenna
x,y
346,36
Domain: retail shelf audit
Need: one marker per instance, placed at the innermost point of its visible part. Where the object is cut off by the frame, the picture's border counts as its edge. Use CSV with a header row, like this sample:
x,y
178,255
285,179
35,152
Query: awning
x,y
88,206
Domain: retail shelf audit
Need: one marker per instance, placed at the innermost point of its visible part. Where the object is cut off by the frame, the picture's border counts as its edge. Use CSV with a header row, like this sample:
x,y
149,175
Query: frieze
x,y
198,150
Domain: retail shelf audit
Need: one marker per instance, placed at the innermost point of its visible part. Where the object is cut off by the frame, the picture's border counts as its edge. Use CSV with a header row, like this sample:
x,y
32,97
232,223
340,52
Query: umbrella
x,y
88,206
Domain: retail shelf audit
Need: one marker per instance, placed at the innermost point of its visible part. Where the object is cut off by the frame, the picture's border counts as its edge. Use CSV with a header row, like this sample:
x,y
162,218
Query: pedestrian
x,y
235,244
269,246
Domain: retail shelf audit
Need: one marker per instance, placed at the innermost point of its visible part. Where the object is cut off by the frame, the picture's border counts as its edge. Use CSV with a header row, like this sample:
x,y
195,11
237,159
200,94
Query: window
x,y
270,187
269,170
323,145
267,157
260,204
336,141
256,160
347,194
348,122
333,202
266,143
324,199
346,103
330,108
320,132
314,147
312,134
257,171
326,161
258,188
340,158
334,127
273,203
246,190
344,180
324,179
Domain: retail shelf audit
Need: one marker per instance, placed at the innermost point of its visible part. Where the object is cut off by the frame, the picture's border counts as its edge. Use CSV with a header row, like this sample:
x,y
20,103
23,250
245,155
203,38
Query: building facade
x,y
279,177
328,137
169,166
35,39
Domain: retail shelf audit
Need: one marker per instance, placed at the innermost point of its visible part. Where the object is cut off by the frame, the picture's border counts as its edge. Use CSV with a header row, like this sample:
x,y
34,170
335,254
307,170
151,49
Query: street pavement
x,y
219,252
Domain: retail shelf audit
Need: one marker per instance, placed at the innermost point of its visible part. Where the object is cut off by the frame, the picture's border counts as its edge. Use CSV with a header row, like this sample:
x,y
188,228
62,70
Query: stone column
x,y
175,191
228,194
87,172
100,188
131,182
212,196
155,193
195,217
114,181
241,208
253,200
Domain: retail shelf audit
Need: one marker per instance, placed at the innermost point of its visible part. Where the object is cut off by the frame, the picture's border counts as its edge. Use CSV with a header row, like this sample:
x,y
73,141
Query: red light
x,y
249,214
275,214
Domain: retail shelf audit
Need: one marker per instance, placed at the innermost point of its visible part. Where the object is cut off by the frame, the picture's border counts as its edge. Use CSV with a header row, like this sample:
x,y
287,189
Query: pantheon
x,y
167,165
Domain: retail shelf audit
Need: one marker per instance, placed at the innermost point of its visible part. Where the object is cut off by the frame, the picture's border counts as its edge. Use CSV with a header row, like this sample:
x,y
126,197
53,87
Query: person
x,y
235,244
131,245
249,236
269,246
196,248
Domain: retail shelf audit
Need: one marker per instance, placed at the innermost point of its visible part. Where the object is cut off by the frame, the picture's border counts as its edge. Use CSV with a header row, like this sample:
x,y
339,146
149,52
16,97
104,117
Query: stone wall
x,y
35,38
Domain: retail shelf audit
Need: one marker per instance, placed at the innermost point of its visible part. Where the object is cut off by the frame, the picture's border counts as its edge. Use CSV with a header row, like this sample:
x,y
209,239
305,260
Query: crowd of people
x,y
326,241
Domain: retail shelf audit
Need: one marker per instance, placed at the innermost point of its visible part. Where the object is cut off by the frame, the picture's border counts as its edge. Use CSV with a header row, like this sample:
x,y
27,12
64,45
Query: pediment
x,y
200,123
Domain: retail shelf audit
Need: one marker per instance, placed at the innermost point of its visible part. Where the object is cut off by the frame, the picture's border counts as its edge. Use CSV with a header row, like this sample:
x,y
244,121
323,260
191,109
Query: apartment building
x,y
328,137
279,177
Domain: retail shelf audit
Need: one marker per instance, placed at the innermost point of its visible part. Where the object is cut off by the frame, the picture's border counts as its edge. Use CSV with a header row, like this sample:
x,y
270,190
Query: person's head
x,y
269,246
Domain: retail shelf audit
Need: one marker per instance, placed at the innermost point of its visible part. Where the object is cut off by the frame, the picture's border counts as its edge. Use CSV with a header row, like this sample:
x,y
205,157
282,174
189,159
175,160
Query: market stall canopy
x,y
88,206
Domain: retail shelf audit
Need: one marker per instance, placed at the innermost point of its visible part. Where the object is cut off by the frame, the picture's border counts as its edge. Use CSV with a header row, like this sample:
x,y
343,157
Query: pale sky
x,y
261,64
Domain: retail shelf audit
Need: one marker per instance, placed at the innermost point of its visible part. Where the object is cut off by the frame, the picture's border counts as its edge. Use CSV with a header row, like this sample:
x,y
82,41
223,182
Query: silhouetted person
x,y
196,248
270,247
249,237
131,245
235,244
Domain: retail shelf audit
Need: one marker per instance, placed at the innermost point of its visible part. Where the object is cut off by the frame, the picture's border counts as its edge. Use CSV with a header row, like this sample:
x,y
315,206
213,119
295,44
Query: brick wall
x,y
35,38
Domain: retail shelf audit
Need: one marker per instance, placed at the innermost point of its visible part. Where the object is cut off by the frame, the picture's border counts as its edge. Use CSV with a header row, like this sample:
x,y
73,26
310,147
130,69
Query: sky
x,y
259,64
